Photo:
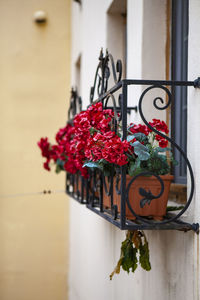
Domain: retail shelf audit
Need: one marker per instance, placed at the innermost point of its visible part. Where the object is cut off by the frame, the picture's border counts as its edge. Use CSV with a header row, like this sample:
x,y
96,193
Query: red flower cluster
x,y
157,124
72,141
44,145
162,142
91,138
61,150
139,128
94,117
91,130
160,126
107,146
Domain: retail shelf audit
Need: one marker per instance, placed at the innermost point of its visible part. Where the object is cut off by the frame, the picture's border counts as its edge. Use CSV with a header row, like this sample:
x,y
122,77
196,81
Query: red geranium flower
x,y
139,128
159,125
163,143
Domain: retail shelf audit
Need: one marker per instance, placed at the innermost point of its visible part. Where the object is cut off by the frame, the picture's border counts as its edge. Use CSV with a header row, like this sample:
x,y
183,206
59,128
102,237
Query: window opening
x,y
179,62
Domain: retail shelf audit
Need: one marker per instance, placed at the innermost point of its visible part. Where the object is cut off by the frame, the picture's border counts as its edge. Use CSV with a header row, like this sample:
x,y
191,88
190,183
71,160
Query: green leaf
x,y
159,149
119,134
174,208
130,138
141,137
92,130
144,256
130,258
58,169
59,165
133,166
102,161
141,151
131,126
138,136
91,164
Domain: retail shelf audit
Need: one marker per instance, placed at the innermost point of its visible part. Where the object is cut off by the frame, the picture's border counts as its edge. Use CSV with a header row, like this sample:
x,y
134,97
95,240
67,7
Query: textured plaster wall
x,y
94,243
35,83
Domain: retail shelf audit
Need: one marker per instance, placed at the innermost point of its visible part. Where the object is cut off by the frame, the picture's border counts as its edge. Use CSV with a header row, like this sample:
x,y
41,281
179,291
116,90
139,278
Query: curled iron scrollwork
x,y
148,195
117,116
109,196
103,73
75,105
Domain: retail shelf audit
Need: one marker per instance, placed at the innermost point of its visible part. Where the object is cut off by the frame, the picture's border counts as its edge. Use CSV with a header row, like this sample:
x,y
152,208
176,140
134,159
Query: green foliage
x,y
174,208
59,165
159,149
145,156
92,130
134,167
129,260
134,249
102,165
144,256
141,151
141,137
158,164
92,165
152,158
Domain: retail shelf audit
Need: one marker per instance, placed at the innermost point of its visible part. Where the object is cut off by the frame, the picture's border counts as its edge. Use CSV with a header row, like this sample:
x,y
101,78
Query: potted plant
x,y
90,143
144,152
69,152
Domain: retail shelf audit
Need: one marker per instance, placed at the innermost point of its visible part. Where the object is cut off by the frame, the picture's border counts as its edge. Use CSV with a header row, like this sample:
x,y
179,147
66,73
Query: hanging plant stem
x,y
134,251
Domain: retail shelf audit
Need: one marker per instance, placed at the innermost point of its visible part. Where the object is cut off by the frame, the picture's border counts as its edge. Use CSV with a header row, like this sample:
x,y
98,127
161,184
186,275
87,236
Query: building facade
x,y
148,37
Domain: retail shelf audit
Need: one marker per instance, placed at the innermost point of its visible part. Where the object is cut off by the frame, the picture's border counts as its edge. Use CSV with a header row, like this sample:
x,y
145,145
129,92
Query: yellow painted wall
x,y
34,88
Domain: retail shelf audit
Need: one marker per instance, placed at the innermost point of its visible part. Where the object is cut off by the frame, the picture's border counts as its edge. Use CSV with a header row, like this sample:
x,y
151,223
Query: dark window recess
x,y
179,72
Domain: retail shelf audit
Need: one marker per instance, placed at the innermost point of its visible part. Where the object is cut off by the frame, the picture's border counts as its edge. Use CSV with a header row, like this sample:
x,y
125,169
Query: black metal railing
x,y
99,192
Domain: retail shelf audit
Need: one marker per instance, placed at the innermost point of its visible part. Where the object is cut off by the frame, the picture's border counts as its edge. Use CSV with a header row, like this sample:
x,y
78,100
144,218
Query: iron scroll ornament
x,y
151,197
103,72
75,104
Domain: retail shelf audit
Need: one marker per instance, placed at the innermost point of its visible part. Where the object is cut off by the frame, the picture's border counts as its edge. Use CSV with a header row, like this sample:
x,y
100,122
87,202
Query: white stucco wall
x,y
95,243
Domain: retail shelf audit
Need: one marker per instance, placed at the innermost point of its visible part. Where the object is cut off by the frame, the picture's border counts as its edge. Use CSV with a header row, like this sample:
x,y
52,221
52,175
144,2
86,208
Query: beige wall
x,y
35,81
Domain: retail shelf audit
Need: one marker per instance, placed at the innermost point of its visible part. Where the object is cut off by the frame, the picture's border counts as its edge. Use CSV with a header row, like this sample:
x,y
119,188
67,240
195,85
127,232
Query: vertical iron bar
x,y
111,189
123,168
73,184
82,189
77,187
101,192
87,189
67,182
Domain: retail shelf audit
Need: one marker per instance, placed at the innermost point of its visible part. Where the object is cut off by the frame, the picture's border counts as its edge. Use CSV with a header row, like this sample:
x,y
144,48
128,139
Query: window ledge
x,y
178,193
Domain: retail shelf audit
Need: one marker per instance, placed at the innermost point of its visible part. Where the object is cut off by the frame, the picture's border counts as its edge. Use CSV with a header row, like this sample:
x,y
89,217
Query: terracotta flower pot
x,y
79,180
106,198
157,207
80,183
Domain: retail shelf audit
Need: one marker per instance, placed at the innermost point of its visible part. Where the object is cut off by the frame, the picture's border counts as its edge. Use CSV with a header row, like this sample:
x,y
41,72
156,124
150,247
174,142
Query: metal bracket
x,y
197,83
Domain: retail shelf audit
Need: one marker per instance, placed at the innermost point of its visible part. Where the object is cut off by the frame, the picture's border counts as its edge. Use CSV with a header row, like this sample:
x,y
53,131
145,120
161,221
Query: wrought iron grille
x,y
99,192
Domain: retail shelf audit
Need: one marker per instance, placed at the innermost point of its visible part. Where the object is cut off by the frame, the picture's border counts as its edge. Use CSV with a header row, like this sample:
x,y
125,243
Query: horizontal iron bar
x,y
129,108
104,215
195,83
131,225
76,198
175,225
